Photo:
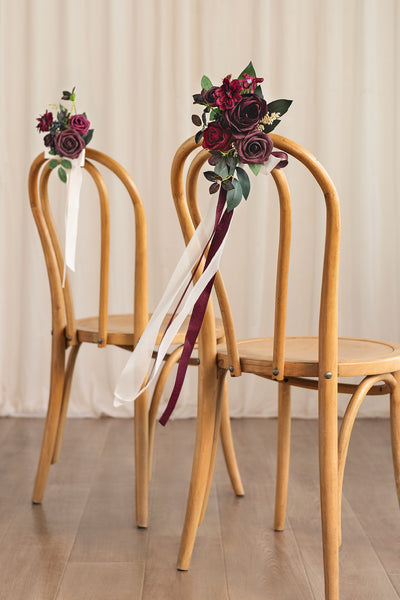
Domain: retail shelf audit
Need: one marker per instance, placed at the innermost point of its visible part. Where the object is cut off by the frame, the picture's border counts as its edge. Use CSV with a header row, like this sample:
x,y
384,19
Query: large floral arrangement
x,y
235,124
67,133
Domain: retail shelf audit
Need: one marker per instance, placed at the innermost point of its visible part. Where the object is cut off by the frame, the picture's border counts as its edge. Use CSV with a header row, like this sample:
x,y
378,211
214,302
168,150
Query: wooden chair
x,y
122,330
308,362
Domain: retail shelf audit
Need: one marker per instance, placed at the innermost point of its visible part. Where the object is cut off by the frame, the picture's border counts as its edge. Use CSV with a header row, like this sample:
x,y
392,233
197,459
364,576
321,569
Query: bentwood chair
x,y
103,329
309,362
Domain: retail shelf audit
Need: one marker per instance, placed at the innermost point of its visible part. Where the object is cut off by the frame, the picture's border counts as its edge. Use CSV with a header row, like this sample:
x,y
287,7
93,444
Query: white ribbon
x,y
74,183
132,382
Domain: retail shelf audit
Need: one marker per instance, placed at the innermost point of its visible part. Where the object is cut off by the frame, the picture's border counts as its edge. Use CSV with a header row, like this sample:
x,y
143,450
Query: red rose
x,y
80,124
246,115
215,137
209,96
254,148
69,143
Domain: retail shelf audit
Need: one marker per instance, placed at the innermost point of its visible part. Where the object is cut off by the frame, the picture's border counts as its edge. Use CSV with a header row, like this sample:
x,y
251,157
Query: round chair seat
x,y
356,357
120,330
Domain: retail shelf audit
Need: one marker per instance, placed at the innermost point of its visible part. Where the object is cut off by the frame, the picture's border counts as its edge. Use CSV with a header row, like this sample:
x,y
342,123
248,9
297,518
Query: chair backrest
x,y
186,203
63,317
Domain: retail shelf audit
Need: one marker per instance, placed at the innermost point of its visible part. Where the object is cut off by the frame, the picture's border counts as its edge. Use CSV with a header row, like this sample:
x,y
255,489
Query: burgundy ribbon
x,y
222,222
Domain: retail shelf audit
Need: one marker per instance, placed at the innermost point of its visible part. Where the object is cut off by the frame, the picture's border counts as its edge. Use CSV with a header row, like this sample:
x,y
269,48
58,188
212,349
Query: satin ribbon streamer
x,y
138,373
74,183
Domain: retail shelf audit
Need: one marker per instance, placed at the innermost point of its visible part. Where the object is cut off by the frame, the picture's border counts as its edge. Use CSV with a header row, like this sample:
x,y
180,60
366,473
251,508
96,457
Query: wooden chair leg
x,y
202,458
221,390
395,431
155,400
328,465
57,375
228,447
141,422
283,455
64,403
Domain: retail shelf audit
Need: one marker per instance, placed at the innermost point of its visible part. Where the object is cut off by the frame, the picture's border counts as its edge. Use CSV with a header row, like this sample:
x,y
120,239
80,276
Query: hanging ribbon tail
x,y
197,316
139,372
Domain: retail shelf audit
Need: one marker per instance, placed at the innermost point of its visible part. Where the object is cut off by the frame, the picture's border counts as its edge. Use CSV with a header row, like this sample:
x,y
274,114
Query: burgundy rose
x,y
282,163
45,121
228,94
215,137
209,96
69,143
80,124
254,148
246,115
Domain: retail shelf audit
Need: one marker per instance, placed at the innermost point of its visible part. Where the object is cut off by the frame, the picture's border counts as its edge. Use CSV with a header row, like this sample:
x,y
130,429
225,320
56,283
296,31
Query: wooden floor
x,y
81,544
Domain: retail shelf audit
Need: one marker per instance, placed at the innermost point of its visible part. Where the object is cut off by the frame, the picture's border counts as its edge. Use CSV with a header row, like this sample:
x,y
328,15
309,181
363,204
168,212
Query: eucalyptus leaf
x,y
244,181
206,83
255,168
62,174
53,163
234,197
279,106
221,169
67,164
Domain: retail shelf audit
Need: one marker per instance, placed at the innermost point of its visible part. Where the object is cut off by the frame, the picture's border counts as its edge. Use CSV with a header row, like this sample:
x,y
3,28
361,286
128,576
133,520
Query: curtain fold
x,y
135,66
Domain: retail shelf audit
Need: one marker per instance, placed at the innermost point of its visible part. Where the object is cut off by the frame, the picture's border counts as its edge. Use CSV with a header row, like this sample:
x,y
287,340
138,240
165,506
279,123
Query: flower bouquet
x,y
67,134
235,124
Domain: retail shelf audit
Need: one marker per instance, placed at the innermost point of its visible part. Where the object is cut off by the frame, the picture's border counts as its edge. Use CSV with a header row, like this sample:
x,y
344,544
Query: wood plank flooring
x,y
81,543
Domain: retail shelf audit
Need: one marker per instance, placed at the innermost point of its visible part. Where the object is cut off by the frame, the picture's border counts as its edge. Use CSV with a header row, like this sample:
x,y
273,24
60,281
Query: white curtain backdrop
x,y
135,65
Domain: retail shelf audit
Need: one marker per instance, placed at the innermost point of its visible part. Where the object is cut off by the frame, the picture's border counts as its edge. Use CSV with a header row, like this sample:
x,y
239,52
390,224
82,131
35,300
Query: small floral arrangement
x,y
235,124
67,134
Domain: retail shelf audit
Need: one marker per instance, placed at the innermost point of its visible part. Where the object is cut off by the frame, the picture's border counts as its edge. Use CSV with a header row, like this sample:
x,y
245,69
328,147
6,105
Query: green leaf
x,y
62,175
258,92
234,197
249,70
53,163
279,106
214,114
244,181
228,185
206,83
66,163
269,128
255,168
221,169
87,138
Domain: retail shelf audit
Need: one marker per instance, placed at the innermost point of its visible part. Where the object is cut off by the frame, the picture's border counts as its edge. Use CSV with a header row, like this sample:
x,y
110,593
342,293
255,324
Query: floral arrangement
x,y
67,134
235,124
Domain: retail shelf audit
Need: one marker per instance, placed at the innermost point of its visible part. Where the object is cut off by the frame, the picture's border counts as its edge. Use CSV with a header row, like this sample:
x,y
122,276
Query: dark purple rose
x,y
80,124
215,137
246,115
69,143
209,96
45,121
254,148
282,163
228,94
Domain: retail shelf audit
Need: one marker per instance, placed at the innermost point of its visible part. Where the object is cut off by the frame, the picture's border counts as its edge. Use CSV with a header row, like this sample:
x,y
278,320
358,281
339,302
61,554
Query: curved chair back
x,y
186,203
63,316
